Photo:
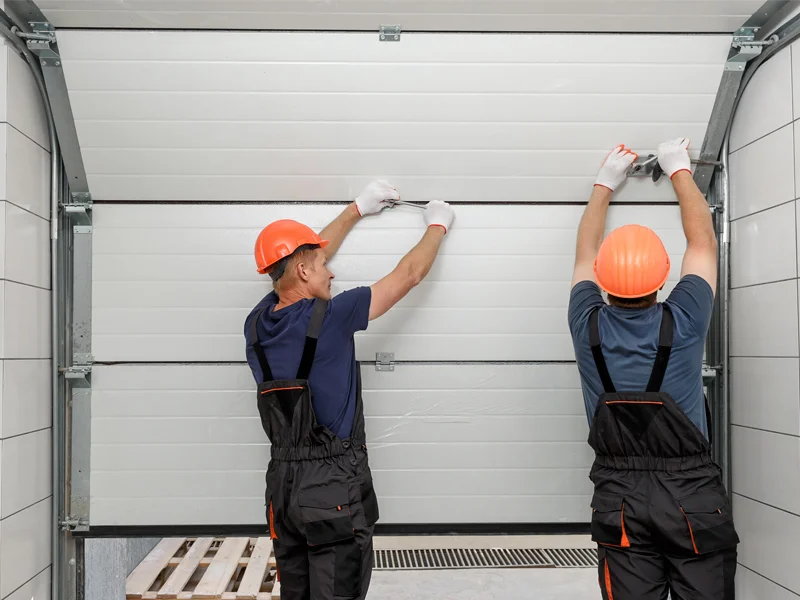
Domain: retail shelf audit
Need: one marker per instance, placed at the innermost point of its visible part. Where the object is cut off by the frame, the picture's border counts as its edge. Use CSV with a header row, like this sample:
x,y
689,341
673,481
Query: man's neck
x,y
291,296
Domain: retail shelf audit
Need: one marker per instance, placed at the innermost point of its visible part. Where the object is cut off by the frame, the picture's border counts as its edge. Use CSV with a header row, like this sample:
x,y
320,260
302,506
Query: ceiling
x,y
656,16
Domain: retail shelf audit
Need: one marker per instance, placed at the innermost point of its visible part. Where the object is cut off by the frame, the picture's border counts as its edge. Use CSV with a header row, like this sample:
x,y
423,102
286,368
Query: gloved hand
x,y
615,167
375,197
439,213
673,156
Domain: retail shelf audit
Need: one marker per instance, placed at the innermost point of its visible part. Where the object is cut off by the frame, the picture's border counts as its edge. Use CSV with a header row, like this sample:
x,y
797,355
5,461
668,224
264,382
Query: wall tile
x,y
26,397
762,174
25,548
766,104
766,467
752,586
25,108
26,471
37,588
27,248
28,173
770,541
765,393
27,322
764,320
764,247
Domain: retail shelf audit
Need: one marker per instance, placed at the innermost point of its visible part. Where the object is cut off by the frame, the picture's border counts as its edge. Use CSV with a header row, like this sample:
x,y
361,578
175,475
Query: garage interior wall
x,y
765,379
193,141
25,349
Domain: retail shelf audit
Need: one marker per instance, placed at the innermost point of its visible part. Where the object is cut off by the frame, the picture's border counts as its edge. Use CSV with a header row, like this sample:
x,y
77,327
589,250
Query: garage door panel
x,y
395,242
218,218
198,458
676,50
268,76
409,428
664,107
163,434
394,136
436,483
406,163
175,268
250,511
146,314
281,188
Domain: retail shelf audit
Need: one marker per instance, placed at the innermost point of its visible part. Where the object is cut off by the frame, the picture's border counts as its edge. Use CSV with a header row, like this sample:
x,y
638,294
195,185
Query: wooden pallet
x,y
206,568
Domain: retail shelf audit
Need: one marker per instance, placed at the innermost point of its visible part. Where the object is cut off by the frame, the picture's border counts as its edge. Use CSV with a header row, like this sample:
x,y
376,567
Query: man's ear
x,y
302,268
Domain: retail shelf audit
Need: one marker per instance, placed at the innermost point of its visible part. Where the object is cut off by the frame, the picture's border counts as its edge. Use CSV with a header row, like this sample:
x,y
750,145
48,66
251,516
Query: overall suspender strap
x,y
312,335
665,338
266,372
597,352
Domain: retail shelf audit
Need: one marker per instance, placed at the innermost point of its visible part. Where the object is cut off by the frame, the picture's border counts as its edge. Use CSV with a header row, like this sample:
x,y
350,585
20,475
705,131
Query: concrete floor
x,y
485,584
490,584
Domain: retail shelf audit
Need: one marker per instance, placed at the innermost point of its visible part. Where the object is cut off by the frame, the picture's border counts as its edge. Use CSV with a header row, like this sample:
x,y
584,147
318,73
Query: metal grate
x,y
572,557
476,558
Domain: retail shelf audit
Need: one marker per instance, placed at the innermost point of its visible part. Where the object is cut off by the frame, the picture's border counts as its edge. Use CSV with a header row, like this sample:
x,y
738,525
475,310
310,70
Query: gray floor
x,y
490,584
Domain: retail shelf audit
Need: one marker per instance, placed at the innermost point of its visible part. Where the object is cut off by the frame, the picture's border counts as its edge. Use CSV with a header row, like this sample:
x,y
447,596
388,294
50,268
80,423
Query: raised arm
x,y
593,223
701,240
373,199
415,265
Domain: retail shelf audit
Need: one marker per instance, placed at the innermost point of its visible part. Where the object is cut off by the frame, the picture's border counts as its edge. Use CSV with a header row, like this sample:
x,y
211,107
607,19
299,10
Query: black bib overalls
x,y
661,516
320,502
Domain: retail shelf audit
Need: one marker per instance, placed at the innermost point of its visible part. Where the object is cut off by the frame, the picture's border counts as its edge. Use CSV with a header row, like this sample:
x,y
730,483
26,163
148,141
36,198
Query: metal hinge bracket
x,y
744,40
79,209
73,524
78,375
384,361
39,43
710,373
390,33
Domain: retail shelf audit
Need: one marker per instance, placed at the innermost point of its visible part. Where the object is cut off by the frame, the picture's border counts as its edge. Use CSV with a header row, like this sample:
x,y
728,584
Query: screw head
x,y
58,63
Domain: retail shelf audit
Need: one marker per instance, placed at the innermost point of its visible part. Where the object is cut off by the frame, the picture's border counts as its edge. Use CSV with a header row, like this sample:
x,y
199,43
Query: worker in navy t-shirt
x,y
321,504
660,517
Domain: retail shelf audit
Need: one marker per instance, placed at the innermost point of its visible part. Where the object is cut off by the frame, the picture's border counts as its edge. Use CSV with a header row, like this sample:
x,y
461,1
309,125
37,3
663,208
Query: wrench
x,y
650,167
402,203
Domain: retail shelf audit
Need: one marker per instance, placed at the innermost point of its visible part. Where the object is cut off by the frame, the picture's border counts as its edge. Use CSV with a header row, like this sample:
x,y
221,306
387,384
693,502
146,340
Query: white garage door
x,y
194,141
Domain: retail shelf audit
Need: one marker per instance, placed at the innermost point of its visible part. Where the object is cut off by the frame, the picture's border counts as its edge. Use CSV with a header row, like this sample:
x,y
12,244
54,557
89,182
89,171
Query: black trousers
x,y
645,573
336,572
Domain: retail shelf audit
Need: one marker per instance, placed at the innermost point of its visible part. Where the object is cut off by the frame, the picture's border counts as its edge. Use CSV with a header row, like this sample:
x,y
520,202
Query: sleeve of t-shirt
x,y
350,310
583,299
695,299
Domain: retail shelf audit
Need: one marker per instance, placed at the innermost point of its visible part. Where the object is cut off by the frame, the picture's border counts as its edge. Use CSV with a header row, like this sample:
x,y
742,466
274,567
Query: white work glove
x,y
615,167
439,213
376,197
673,156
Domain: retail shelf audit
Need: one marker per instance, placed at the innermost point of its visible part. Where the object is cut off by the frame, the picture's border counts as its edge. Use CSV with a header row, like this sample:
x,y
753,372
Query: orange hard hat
x,y
632,262
280,239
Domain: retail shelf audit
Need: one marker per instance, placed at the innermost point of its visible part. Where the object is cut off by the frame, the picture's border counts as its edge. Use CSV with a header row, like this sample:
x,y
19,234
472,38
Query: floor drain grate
x,y
572,557
477,558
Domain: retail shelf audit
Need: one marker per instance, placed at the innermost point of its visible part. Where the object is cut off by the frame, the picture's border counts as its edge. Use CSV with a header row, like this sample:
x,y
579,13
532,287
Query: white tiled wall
x,y
25,296
765,364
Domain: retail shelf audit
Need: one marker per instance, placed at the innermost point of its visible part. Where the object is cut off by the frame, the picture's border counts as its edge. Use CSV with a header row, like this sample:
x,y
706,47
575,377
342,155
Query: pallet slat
x,y
211,568
256,570
139,582
187,566
218,574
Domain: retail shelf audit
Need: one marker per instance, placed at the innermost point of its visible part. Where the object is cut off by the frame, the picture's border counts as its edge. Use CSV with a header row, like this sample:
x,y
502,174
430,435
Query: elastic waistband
x,y
329,450
654,463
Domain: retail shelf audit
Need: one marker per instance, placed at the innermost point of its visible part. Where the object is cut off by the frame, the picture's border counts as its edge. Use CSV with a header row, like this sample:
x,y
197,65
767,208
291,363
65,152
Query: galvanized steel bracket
x,y
384,361
78,210
390,33
73,524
